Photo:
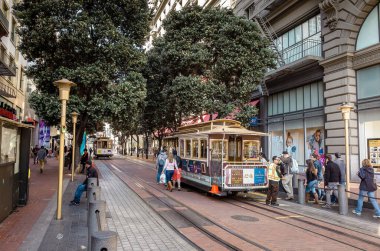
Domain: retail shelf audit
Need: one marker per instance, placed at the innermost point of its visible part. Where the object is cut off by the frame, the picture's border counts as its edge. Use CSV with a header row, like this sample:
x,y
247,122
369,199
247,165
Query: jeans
x,y
159,171
287,184
78,193
311,186
169,175
321,192
359,206
331,185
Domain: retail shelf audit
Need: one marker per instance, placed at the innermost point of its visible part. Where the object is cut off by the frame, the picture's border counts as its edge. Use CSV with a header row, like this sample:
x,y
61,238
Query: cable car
x,y
103,147
221,156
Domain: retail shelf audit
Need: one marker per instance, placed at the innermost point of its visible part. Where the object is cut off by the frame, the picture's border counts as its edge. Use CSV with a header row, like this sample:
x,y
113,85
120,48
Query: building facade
x,y
161,8
15,136
328,55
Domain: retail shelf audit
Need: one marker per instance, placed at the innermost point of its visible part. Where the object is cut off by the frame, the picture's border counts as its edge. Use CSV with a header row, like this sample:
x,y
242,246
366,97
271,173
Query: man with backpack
x,y
286,172
160,163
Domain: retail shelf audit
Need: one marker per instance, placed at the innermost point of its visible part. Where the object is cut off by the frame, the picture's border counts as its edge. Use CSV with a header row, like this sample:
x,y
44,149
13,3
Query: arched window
x,y
369,32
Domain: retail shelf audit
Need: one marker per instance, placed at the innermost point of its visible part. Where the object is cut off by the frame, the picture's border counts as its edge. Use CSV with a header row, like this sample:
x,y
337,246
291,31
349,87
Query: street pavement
x,y
142,227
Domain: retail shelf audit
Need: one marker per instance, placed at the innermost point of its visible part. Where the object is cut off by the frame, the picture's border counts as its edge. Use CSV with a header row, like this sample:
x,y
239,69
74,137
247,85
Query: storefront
x,y
296,122
14,165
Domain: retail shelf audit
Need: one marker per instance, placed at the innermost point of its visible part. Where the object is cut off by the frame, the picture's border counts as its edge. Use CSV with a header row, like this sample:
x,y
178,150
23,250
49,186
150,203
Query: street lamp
x,y
74,118
345,110
64,86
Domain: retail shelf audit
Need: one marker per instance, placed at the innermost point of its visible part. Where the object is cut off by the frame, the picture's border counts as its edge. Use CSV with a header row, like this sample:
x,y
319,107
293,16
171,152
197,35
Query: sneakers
x,y
275,204
376,216
73,203
327,206
357,213
289,198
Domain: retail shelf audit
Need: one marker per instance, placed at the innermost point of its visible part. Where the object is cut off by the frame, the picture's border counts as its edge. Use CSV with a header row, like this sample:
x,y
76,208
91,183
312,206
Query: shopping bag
x,y
177,174
162,178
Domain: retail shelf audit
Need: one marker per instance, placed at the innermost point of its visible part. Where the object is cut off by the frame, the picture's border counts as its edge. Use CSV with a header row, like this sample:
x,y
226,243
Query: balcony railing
x,y
307,47
259,6
4,25
7,68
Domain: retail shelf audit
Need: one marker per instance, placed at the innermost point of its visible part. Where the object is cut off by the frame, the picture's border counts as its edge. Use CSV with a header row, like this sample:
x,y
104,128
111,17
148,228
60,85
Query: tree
x,y
208,60
127,106
95,44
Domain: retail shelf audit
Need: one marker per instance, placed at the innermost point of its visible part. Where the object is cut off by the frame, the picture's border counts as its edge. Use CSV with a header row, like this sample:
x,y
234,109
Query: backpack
x,y
161,161
294,168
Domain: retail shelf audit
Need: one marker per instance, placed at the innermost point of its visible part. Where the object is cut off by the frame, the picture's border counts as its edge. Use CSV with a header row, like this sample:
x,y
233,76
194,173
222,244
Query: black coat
x,y
367,176
332,173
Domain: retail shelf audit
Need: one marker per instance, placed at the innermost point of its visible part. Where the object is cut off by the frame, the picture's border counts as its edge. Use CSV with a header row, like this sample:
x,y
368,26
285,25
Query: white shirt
x,y
170,166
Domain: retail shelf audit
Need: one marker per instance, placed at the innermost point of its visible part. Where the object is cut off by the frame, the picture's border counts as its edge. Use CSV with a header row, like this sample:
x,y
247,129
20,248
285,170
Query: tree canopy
x,y
96,44
208,60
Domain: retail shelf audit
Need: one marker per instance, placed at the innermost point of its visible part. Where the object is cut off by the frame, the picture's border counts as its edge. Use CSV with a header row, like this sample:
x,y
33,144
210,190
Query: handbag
x,y
163,178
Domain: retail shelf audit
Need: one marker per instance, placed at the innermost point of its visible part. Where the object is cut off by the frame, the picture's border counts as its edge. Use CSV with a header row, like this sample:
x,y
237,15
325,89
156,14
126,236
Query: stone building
x,y
328,54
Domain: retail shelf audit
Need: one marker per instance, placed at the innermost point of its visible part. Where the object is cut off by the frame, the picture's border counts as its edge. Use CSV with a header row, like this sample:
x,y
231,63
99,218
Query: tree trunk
x,y
146,145
131,145
138,145
81,126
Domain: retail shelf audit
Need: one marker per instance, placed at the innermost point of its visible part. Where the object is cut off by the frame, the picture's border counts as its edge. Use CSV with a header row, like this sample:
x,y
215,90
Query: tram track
x,y
182,215
343,235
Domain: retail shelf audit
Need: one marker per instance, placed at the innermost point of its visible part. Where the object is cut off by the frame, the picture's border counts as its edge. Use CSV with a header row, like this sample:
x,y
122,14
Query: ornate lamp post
x,y
346,109
64,86
74,118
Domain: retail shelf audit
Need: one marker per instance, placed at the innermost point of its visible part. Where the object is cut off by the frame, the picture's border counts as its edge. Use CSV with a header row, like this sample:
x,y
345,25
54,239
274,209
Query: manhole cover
x,y
244,218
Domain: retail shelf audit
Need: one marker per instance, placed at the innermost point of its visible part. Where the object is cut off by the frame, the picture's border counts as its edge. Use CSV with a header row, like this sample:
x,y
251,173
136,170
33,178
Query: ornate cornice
x,y
367,57
330,8
339,62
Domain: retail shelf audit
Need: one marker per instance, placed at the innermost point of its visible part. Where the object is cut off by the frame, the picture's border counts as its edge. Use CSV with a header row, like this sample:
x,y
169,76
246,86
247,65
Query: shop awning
x,y
6,121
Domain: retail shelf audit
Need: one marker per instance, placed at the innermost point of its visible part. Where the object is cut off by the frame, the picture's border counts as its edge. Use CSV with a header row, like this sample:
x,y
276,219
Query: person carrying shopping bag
x,y
170,166
367,187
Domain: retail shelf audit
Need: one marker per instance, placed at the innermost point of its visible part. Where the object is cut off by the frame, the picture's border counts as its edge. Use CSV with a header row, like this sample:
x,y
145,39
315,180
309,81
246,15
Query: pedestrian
x,y
35,151
177,173
332,178
83,160
274,176
69,157
41,157
91,173
263,158
91,151
317,164
170,166
160,163
367,187
311,181
287,179
342,167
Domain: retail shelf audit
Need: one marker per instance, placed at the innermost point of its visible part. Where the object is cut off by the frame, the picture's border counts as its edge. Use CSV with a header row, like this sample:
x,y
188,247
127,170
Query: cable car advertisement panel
x,y
245,176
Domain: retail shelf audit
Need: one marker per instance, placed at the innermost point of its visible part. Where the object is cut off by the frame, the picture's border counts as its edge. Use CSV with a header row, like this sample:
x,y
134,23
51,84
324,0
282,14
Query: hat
x,y
89,162
285,152
338,155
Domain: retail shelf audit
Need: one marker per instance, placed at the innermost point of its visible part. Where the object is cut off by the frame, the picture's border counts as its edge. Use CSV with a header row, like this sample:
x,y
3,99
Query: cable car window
x,y
104,144
216,146
251,149
110,144
195,148
203,148
181,148
188,148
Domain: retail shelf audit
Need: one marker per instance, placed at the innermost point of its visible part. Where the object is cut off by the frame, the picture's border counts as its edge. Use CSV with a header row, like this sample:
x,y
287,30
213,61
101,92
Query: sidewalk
x,y
42,187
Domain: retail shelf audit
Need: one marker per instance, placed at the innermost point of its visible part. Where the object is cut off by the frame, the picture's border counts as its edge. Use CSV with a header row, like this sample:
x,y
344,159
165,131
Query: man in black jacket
x,y
332,179
91,173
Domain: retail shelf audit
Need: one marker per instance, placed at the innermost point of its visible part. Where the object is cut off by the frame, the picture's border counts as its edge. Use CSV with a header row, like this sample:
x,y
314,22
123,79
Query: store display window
x,y
314,137
369,136
294,140
8,144
276,131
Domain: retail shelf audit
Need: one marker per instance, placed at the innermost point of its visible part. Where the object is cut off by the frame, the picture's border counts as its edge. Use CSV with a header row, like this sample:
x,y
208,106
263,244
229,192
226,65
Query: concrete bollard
x,y
343,201
104,241
93,194
295,180
301,192
96,207
92,182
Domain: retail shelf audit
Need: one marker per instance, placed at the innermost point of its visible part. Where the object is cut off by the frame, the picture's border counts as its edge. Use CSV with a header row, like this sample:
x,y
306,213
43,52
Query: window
x,y
301,98
21,83
203,148
251,149
13,30
8,144
181,148
368,82
369,32
294,140
217,149
188,148
195,148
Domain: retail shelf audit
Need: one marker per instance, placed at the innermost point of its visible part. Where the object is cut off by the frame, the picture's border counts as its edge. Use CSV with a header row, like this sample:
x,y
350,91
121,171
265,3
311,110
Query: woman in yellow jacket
x,y
274,176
